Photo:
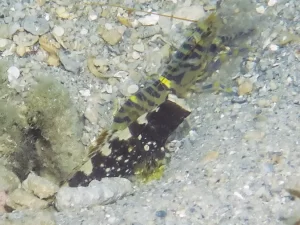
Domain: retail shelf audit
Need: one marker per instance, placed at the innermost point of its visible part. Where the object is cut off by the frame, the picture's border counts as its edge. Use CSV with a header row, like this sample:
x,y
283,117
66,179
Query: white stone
x,y
108,26
273,47
272,2
135,55
261,9
85,92
93,16
149,20
91,114
3,43
84,31
139,47
103,192
39,186
58,31
132,89
13,73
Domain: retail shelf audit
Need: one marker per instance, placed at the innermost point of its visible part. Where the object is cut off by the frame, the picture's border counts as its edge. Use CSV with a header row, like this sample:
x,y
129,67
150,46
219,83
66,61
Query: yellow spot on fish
x,y
165,81
134,99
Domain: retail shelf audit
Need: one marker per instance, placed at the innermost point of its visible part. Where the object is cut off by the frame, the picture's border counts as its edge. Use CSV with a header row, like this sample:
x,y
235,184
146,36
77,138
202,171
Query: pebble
x,y
13,73
135,55
92,16
139,47
254,135
28,217
3,199
35,25
133,88
91,114
69,63
261,9
4,43
8,180
149,20
272,2
25,39
273,47
245,88
112,37
21,199
85,92
273,85
39,186
84,31
103,192
161,213
58,31
62,13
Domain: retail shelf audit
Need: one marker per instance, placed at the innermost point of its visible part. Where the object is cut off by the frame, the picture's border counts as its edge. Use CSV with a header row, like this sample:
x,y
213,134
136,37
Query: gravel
x,y
239,155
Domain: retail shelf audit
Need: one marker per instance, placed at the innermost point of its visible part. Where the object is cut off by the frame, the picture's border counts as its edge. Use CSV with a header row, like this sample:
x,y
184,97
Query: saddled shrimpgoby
x,y
144,122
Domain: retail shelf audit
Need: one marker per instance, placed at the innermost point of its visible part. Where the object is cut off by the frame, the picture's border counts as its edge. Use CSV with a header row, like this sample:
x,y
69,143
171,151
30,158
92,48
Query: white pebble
x,y
149,20
273,47
84,31
85,92
93,16
260,9
120,74
132,89
135,55
272,2
108,26
3,42
13,73
58,31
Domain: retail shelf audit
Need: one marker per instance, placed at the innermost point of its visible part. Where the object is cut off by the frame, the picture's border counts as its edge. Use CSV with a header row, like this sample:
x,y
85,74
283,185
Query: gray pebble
x,y
69,63
106,191
35,25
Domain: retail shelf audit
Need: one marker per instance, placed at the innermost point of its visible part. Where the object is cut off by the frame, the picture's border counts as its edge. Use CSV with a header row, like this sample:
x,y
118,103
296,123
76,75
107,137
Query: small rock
x,y
21,50
91,114
139,47
4,43
28,217
149,20
25,39
21,199
254,135
273,47
13,73
210,156
62,13
112,37
4,31
273,85
69,63
8,180
161,213
135,55
3,199
132,89
263,103
272,2
39,186
92,16
261,9
58,31
35,25
245,88
84,31
106,191
85,92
